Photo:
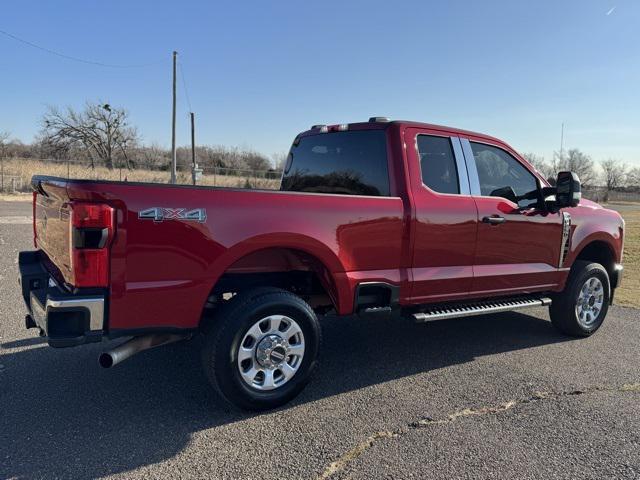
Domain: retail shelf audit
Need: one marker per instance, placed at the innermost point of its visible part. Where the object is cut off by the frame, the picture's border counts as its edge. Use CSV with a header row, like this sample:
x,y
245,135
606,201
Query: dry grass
x,y
16,197
629,293
26,168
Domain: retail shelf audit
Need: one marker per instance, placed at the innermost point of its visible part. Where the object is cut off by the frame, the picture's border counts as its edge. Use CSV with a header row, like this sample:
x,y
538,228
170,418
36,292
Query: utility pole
x,y
193,148
173,124
561,140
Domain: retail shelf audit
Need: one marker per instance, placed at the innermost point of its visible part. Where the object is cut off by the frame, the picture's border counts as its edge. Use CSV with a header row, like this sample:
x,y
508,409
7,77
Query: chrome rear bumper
x,y
66,318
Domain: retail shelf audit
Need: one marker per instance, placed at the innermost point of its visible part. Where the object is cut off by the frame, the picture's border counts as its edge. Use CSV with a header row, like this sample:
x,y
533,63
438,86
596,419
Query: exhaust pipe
x,y
136,345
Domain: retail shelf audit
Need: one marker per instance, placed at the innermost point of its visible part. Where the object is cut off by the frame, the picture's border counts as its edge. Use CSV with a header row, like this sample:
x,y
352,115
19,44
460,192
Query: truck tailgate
x,y
51,218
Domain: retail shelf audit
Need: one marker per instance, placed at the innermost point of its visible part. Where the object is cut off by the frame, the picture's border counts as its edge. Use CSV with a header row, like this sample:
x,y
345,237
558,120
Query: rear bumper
x,y
66,318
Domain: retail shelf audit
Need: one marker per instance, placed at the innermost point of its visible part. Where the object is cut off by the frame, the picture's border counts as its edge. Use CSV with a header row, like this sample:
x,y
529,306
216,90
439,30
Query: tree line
x,y
612,174
101,134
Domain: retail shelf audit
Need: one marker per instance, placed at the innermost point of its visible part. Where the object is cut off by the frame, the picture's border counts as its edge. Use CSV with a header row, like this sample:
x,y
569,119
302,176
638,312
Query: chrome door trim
x,y
463,176
472,170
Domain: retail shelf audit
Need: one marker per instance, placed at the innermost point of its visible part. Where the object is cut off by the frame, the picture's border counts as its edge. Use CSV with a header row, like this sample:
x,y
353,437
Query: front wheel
x,y
262,348
582,307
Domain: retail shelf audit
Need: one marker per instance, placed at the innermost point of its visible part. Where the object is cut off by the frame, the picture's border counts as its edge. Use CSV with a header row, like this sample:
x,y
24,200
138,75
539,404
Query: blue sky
x,y
258,72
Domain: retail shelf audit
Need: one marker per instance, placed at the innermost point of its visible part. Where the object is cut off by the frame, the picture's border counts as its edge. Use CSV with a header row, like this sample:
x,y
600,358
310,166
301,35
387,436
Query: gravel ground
x,y
500,396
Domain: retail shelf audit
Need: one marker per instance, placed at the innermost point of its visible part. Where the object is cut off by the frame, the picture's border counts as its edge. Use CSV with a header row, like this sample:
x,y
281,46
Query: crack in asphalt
x,y
355,452
352,454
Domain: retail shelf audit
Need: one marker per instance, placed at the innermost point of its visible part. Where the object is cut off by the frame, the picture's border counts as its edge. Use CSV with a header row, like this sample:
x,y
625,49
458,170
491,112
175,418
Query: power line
x,y
184,85
75,59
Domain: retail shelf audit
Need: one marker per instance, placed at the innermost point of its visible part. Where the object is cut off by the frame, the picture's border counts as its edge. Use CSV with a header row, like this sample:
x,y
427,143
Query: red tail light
x,y
91,233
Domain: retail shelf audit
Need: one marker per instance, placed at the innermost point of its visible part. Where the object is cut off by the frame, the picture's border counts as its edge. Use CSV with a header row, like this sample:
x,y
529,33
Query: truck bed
x,y
163,270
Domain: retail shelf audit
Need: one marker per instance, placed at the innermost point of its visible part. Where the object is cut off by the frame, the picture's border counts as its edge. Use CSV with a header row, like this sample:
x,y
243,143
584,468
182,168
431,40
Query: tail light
x,y
92,228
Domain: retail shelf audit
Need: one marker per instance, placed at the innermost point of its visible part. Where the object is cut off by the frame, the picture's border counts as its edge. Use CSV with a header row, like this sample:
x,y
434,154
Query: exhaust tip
x,y
105,360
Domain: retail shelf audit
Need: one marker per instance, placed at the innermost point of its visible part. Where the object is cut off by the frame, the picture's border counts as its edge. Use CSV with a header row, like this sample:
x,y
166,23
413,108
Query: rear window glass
x,y
352,163
438,164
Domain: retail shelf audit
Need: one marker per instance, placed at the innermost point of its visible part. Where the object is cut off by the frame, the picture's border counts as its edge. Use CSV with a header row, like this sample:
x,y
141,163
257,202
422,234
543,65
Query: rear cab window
x,y
348,162
438,164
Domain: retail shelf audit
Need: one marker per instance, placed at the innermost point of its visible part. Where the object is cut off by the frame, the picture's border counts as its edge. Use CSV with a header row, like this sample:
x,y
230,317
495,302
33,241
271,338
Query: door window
x,y
438,164
499,172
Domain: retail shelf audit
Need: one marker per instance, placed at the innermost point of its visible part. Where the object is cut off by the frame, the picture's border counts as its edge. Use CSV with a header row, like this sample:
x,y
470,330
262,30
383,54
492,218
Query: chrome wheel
x,y
590,302
271,352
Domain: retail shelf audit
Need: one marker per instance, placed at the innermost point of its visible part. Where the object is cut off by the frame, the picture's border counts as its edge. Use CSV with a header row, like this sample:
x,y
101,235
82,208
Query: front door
x,y
519,241
445,219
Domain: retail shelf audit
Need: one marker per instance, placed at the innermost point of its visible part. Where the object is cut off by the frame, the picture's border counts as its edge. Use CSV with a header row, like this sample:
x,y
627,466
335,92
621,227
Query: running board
x,y
479,308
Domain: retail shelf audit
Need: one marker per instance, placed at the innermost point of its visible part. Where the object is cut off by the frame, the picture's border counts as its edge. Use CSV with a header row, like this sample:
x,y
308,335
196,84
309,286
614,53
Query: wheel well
x,y
289,269
599,252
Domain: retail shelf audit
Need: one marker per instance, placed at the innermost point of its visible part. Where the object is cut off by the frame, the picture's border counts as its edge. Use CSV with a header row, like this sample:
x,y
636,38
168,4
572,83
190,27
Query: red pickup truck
x,y
373,218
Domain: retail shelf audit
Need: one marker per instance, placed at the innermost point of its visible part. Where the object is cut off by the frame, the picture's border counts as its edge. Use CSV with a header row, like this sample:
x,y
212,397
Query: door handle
x,y
494,220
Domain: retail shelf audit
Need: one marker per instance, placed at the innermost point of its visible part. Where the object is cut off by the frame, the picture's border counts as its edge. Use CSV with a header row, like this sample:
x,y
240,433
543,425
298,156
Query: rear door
x,y
518,246
445,219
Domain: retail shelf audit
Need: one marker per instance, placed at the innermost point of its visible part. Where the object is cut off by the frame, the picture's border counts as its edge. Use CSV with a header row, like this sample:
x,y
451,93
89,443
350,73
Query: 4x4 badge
x,y
159,214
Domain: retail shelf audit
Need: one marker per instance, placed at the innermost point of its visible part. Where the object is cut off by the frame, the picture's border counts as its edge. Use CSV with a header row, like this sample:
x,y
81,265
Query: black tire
x,y
563,309
228,328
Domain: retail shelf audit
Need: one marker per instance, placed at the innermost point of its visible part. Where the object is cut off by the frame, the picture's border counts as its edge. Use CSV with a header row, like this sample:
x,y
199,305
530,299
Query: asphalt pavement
x,y
495,396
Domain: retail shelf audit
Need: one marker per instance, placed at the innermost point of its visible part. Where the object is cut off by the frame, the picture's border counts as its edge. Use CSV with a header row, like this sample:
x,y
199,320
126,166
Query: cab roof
x,y
382,123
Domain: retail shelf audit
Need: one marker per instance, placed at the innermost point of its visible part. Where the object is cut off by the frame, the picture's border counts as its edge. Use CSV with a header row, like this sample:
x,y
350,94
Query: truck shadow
x,y
62,416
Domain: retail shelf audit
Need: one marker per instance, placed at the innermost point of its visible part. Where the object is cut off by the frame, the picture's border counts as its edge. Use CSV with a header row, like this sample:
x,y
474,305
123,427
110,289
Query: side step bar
x,y
479,308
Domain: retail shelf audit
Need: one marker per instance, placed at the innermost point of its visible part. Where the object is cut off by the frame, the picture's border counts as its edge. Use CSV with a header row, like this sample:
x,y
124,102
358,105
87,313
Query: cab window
x,y
438,164
350,163
498,171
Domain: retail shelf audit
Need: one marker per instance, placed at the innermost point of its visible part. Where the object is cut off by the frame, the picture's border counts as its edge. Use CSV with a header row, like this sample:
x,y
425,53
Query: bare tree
x,y
576,161
279,160
15,149
255,161
101,129
633,177
614,175
541,165
152,156
4,142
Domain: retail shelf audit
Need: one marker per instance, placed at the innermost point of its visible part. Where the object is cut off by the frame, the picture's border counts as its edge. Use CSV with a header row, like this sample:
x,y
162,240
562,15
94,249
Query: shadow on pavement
x,y
25,342
62,416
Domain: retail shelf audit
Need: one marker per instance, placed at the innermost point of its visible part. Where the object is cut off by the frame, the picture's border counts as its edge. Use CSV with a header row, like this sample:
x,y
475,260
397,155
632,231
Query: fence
x,y
601,195
11,183
22,170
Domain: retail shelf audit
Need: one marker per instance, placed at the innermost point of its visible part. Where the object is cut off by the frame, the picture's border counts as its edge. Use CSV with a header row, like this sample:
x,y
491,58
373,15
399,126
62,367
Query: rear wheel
x,y
261,348
582,307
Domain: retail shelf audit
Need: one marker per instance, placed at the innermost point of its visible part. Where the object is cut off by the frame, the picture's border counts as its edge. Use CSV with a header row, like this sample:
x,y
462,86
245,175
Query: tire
x,y
241,339
574,313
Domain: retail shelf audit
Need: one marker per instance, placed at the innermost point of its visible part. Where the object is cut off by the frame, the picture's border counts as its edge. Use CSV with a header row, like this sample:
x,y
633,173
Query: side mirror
x,y
568,192
505,192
